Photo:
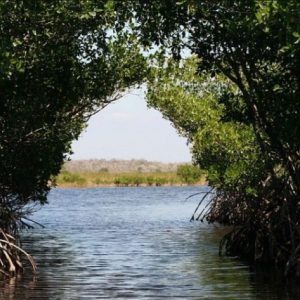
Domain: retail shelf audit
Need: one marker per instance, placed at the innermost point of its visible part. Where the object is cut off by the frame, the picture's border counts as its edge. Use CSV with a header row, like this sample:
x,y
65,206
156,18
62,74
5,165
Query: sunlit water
x,y
132,243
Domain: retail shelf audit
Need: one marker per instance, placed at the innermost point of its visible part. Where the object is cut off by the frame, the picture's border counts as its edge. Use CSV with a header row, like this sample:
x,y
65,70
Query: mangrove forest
x,y
225,73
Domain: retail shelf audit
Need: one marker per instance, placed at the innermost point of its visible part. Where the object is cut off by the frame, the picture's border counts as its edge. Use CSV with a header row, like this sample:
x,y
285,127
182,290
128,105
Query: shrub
x,y
189,173
72,178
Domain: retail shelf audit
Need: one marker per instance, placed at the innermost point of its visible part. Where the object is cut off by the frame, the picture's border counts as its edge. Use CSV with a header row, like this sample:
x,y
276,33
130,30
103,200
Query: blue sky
x,y
127,129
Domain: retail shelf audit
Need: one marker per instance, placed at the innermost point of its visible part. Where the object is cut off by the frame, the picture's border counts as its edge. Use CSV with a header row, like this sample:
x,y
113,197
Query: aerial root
x,y
10,255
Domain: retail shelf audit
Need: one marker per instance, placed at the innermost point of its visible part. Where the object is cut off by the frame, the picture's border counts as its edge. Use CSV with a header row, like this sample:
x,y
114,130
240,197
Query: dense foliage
x,y
194,105
190,174
246,133
237,101
60,62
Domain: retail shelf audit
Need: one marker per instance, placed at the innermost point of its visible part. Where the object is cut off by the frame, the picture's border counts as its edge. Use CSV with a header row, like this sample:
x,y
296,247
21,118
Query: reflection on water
x,y
132,243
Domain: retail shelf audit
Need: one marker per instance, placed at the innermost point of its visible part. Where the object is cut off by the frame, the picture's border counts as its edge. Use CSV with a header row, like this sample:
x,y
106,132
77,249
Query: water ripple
x,y
130,243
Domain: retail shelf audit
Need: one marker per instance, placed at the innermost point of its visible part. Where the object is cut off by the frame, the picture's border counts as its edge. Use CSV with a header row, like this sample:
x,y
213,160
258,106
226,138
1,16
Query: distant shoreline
x,y
112,185
118,166
145,174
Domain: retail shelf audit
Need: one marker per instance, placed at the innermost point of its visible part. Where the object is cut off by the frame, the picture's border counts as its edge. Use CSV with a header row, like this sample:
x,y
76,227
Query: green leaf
x,y
276,88
92,13
17,43
181,2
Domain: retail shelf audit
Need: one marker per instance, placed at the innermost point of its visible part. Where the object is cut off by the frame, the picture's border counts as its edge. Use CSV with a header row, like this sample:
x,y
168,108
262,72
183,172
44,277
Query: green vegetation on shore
x,y
94,179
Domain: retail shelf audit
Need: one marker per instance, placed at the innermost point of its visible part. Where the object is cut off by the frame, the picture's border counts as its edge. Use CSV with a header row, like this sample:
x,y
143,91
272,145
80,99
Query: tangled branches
x,y
13,218
265,230
10,255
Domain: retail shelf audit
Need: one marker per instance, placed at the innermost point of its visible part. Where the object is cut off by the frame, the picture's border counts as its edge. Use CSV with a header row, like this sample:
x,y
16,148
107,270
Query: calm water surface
x,y
132,243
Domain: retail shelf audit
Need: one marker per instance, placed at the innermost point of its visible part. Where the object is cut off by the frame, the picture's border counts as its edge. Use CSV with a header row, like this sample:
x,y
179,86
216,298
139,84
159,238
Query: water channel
x,y
132,243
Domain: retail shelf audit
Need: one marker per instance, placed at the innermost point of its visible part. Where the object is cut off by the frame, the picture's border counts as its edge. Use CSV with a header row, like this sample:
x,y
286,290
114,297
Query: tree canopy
x,y
195,105
236,99
243,117
255,44
60,62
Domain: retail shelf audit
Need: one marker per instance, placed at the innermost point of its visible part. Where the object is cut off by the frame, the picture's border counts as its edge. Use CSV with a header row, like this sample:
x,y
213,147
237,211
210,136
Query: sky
x,y
127,129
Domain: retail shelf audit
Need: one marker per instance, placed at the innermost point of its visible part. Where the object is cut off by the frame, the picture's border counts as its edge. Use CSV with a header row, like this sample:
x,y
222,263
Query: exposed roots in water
x,y
14,218
265,230
203,214
10,255
263,248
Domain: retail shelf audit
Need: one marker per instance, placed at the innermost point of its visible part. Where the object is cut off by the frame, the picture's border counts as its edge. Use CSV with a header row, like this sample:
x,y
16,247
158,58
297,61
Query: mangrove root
x,y
10,255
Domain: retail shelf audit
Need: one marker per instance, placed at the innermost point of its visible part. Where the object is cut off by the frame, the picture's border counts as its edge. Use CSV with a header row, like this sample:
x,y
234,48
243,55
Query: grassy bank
x,y
90,179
